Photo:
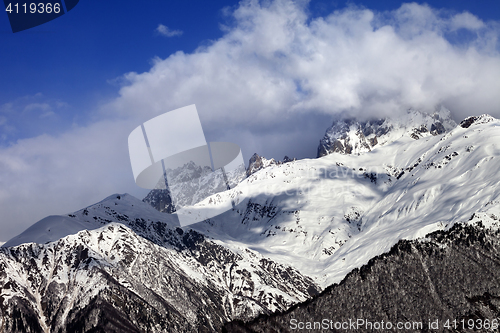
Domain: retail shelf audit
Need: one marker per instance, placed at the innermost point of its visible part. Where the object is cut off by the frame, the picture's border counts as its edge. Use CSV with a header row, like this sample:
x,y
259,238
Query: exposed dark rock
x,y
437,128
350,136
344,137
468,121
482,119
257,163
161,200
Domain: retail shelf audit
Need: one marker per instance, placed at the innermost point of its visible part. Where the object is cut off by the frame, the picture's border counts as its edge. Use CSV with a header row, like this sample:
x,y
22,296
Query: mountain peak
x,y
116,207
350,136
476,120
257,163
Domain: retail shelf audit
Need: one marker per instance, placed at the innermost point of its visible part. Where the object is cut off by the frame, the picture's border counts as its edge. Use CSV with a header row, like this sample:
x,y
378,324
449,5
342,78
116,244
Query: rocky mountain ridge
x,y
190,184
161,197
140,274
349,136
257,163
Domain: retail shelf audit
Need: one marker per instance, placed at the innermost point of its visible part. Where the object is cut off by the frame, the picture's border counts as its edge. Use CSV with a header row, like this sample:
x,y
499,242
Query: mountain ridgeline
x,y
349,136
161,197
397,222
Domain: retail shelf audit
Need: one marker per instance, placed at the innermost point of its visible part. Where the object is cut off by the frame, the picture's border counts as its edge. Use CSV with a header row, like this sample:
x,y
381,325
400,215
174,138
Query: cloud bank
x,y
271,84
167,32
274,60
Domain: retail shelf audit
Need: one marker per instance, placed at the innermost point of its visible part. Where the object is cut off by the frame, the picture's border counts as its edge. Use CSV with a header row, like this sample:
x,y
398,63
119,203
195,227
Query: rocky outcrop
x,y
161,200
257,163
482,119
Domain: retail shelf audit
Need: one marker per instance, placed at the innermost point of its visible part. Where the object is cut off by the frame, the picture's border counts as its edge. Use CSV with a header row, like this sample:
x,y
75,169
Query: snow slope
x,y
115,208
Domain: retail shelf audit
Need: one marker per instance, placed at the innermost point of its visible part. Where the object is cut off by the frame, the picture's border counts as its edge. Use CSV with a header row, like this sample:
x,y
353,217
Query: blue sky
x,y
75,57
268,75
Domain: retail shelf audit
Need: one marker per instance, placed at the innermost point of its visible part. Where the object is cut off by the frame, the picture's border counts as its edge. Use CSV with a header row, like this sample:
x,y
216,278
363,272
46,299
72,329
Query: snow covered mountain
x,y
330,215
296,228
355,137
161,197
132,269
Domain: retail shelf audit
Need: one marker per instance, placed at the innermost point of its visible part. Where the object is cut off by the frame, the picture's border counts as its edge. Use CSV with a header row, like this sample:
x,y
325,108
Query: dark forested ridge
x,y
450,276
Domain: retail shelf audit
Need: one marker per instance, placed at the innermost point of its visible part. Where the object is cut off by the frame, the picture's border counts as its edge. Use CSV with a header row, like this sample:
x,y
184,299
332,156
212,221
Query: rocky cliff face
x,y
257,163
448,279
161,200
355,137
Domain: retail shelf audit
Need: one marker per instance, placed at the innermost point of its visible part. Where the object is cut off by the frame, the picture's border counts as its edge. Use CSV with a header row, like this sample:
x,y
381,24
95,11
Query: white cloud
x,y
50,175
47,114
275,62
165,31
271,84
37,106
31,115
466,21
